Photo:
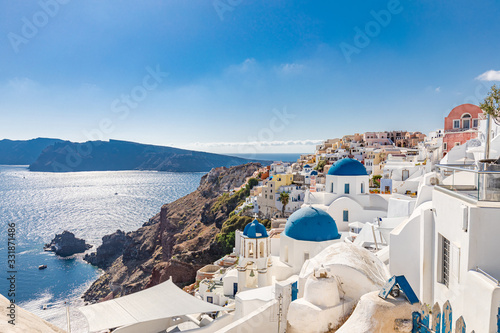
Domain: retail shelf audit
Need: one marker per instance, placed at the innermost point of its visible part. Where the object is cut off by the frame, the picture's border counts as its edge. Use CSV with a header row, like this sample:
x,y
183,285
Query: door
x,y
235,288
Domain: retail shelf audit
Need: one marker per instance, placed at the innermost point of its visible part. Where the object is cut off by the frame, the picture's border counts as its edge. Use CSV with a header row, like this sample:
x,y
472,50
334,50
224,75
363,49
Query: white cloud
x,y
438,89
259,143
490,75
246,66
22,84
292,68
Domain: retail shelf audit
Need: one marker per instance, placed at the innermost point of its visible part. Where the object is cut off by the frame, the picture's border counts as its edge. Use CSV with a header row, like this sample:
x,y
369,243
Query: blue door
x,y
235,288
295,291
498,321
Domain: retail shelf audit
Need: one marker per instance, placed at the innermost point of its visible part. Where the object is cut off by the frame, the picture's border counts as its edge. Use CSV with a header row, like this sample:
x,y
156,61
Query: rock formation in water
x,y
111,248
187,234
66,244
116,155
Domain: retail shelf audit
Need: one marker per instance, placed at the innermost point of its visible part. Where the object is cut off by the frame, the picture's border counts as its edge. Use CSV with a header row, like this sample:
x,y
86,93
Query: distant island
x,y
64,156
23,152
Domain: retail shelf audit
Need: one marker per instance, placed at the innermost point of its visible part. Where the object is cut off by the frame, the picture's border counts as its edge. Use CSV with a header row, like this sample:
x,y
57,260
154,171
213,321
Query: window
x,y
475,122
250,250
346,188
466,123
346,216
456,123
332,188
210,299
362,187
445,146
271,197
306,256
446,262
457,144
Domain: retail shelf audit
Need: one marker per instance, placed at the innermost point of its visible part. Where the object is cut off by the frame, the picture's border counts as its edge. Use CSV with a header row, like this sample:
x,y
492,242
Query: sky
x,y
234,76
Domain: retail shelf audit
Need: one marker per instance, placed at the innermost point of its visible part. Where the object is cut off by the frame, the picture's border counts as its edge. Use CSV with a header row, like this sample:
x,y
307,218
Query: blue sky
x,y
237,76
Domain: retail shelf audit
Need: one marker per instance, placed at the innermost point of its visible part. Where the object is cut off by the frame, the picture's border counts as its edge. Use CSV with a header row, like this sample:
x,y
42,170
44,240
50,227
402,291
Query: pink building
x,y
461,125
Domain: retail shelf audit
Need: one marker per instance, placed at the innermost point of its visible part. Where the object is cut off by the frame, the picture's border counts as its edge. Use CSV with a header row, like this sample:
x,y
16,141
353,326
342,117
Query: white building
x,y
255,253
308,231
448,247
346,197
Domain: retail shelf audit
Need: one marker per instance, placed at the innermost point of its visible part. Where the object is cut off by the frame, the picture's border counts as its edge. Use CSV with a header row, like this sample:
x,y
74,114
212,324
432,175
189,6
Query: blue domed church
x,y
255,257
347,197
307,232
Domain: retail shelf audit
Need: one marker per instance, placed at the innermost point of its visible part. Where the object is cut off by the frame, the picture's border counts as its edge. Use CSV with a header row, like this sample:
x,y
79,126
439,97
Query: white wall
x,y
256,321
400,206
357,212
297,249
340,181
404,251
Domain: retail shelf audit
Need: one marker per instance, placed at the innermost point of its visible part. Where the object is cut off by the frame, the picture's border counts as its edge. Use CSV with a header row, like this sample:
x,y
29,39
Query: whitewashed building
x,y
346,197
448,248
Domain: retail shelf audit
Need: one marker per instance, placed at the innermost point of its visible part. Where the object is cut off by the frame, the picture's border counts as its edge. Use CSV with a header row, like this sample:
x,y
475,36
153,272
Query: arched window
x,y
466,120
251,250
262,250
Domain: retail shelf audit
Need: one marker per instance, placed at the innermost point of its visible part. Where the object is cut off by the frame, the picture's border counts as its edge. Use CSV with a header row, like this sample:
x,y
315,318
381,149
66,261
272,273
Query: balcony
x,y
457,130
479,184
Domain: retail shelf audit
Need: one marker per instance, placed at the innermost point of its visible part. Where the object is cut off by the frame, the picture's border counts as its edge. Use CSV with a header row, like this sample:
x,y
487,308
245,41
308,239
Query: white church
x,y
347,198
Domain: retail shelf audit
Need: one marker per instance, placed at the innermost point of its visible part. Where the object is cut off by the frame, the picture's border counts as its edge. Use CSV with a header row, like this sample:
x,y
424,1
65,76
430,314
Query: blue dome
x,y
347,167
314,173
255,230
307,166
311,224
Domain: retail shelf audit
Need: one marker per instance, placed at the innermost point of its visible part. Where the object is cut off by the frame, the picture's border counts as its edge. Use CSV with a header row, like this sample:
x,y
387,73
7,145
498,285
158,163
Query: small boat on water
x,y
42,266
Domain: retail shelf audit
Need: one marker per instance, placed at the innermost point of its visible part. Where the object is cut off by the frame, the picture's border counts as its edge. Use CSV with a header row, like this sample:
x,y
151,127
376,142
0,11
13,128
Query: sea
x,y
38,205
89,204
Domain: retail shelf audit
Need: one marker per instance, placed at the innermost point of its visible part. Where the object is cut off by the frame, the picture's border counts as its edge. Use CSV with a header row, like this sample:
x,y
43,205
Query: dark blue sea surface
x,y
89,204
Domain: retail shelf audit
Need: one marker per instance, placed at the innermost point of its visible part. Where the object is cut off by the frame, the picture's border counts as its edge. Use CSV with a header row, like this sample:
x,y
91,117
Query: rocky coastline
x,y
183,237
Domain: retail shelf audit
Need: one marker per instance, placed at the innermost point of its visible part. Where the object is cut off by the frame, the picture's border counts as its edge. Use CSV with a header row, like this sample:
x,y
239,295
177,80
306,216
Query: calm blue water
x,y
271,157
43,204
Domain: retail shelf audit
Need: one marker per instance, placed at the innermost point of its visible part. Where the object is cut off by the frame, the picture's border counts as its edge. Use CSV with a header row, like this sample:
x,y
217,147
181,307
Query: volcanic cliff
x,y
187,234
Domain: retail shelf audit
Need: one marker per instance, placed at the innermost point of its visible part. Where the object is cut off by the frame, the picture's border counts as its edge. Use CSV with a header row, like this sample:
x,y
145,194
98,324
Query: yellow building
x,y
282,180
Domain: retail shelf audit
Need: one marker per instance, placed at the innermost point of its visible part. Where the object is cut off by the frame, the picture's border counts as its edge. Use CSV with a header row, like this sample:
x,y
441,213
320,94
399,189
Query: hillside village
x,y
343,220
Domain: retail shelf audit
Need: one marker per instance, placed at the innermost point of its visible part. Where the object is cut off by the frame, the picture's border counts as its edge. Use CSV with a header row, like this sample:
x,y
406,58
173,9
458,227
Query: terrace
x,y
470,182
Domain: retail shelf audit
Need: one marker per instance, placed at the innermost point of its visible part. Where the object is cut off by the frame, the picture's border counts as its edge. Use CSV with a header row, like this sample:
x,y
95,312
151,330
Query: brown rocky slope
x,y
186,235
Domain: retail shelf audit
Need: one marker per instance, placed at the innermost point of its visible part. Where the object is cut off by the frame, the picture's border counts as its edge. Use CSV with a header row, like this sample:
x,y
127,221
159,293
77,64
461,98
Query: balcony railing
x,y
456,130
488,275
481,184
